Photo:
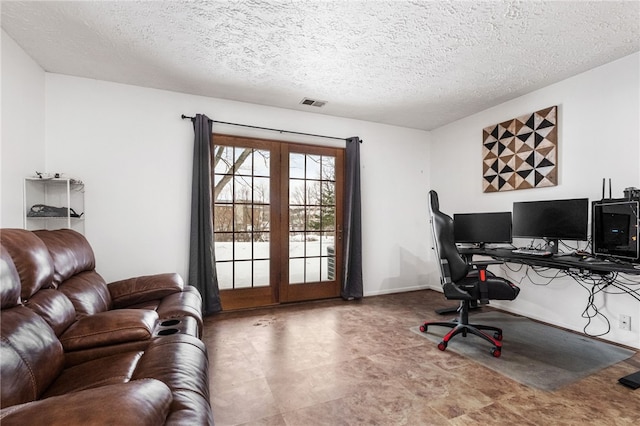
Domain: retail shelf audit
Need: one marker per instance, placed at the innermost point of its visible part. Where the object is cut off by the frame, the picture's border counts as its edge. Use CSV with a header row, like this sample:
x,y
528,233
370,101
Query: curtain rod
x,y
184,117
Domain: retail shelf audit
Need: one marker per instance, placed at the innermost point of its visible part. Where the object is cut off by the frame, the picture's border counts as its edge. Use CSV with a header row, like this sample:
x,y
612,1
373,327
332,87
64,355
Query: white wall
x,y
599,136
22,148
130,147
132,150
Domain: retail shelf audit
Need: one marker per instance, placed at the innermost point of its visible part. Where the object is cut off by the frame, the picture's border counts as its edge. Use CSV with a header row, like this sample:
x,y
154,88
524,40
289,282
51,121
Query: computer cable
x,y
591,310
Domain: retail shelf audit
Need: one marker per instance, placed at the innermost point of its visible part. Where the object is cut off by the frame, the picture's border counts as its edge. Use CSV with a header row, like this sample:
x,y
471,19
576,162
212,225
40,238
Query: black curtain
x,y
352,280
202,271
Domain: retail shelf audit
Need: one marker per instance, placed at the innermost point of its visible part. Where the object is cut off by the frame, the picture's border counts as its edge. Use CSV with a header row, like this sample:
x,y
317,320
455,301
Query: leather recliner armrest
x,y
139,402
132,291
109,328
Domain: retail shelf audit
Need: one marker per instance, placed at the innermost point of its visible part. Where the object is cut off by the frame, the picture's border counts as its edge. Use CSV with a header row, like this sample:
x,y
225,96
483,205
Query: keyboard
x,y
532,252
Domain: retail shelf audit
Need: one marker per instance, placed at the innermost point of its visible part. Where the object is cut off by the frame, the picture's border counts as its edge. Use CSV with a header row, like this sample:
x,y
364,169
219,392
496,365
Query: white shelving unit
x,y
53,204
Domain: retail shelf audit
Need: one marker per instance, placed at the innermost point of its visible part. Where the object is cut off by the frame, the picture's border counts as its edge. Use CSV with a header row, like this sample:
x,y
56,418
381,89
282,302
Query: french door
x,y
277,217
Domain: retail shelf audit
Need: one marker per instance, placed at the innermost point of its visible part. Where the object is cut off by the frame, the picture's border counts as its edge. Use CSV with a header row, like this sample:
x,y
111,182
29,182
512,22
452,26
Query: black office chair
x,y
467,282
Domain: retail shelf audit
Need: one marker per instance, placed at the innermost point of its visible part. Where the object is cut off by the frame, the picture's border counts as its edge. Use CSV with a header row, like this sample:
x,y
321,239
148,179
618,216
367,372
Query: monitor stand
x,y
551,245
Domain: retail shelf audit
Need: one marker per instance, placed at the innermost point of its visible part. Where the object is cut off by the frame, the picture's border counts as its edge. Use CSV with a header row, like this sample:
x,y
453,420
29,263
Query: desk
x,y
565,263
562,262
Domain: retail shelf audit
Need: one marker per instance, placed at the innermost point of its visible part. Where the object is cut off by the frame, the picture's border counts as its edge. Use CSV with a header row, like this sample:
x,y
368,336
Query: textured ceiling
x,y
418,64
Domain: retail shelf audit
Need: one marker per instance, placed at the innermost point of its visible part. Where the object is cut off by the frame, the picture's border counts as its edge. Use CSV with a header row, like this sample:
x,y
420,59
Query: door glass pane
x,y
312,272
243,161
296,166
224,270
311,211
242,189
261,221
222,191
242,220
223,249
313,167
223,217
242,246
261,159
260,190
313,244
261,273
296,244
223,158
328,168
296,271
328,218
314,195
242,274
297,194
241,216
296,218
261,245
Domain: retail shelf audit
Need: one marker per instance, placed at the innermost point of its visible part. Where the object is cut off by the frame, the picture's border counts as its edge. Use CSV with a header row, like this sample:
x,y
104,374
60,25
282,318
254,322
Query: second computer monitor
x,y
481,228
552,220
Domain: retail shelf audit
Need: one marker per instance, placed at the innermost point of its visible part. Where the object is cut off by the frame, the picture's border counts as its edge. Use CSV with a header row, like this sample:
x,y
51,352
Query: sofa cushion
x,y
179,360
70,252
54,307
109,328
95,373
31,259
140,403
88,292
32,357
189,408
138,290
9,281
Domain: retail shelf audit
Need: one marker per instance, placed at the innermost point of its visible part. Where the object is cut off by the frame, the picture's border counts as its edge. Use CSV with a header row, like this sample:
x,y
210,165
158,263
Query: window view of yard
x,y
242,204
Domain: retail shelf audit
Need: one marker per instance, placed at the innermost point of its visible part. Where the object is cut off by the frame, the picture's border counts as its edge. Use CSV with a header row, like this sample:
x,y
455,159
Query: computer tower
x,y
615,228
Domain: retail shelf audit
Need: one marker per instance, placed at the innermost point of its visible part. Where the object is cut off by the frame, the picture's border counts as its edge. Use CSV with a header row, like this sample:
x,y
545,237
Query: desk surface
x,y
564,262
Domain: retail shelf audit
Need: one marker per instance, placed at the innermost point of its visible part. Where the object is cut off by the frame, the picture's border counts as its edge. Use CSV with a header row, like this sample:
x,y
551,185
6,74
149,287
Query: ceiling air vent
x,y
312,102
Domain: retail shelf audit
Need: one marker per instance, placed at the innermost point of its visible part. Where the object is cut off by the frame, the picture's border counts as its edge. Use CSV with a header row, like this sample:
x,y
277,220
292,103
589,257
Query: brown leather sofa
x,y
78,350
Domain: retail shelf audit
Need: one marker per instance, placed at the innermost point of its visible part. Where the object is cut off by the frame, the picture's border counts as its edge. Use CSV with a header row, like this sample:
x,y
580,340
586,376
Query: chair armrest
x,y
109,328
482,264
139,402
136,290
483,287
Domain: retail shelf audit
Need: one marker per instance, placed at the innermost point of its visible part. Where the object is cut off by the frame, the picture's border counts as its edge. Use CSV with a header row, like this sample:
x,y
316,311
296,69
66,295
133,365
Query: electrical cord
x,y
612,283
591,310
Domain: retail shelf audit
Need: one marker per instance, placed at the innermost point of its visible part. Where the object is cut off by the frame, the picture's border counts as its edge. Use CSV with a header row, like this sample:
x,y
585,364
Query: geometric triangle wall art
x,y
521,153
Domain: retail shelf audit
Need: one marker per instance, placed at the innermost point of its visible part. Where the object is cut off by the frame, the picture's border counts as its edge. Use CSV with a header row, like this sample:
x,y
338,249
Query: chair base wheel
x,y
463,328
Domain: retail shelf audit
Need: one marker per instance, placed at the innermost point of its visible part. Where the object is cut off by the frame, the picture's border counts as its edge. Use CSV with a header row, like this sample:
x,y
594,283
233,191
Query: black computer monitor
x,y
615,229
482,228
552,220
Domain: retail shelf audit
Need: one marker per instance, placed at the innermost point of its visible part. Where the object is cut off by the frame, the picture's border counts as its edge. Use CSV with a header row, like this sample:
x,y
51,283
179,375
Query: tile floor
x,y
354,363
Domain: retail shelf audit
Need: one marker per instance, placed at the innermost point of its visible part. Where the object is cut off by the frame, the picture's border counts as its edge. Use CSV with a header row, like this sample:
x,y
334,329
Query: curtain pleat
x,y
202,271
352,286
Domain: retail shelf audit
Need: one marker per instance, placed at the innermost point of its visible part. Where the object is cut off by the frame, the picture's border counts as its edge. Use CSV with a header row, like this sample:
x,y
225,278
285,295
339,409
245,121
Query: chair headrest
x,y
433,200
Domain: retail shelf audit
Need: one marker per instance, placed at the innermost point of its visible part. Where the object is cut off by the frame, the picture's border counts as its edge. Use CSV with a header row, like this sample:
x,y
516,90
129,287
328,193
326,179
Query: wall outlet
x,y
625,322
